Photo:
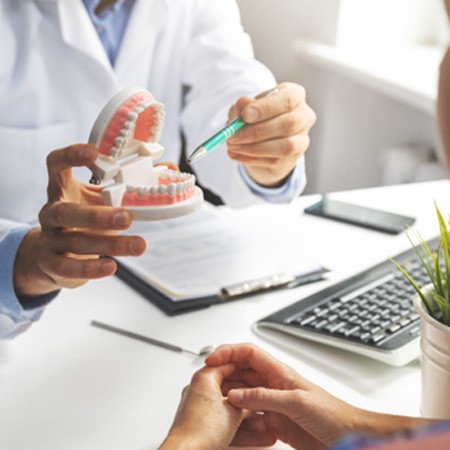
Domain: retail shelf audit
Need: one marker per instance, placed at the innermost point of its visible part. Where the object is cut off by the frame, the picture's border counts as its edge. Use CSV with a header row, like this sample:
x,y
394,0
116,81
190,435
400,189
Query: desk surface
x,y
67,385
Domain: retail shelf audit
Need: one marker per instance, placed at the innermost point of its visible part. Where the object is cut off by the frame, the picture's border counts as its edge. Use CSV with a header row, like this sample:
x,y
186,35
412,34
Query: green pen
x,y
224,134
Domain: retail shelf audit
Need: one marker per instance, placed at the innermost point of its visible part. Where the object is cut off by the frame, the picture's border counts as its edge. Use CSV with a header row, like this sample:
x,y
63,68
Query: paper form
x,y
217,247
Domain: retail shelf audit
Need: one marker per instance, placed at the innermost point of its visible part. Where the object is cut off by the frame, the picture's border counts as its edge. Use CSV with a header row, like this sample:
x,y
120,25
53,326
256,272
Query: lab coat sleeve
x,y
219,68
14,319
293,186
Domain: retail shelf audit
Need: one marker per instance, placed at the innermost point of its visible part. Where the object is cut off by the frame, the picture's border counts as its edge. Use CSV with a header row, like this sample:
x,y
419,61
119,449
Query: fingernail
x,y
107,266
121,219
252,115
136,247
236,396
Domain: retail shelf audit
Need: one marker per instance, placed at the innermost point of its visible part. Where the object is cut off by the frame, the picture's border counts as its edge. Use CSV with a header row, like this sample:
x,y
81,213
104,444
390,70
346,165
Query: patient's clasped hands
x,y
245,397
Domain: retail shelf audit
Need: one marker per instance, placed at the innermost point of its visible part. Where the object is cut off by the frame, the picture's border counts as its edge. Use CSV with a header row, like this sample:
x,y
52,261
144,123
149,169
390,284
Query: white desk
x,y
67,385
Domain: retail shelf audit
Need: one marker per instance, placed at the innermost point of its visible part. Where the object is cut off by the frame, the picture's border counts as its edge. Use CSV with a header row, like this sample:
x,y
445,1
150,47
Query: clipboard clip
x,y
271,282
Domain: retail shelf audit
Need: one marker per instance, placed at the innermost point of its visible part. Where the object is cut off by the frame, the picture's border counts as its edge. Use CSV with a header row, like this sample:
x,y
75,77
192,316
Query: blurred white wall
x,y
355,124
275,24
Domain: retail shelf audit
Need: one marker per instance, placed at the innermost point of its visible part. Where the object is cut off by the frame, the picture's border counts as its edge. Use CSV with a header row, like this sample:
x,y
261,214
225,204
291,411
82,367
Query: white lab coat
x,y
55,77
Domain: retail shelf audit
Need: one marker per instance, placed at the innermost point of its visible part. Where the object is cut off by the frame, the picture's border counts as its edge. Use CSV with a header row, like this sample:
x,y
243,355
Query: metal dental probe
x,y
205,351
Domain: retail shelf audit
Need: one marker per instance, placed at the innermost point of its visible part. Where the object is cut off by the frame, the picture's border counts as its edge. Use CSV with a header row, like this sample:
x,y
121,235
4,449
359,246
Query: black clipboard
x,y
172,308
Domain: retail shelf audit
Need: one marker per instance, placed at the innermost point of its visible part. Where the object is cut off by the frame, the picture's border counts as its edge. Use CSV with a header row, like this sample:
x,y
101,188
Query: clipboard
x,y
227,294
218,255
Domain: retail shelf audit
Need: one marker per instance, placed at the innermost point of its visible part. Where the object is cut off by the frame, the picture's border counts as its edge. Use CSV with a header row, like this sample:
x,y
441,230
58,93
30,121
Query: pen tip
x,y
198,153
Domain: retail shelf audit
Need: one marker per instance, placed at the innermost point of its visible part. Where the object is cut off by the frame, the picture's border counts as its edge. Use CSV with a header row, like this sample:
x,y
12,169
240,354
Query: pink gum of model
x,y
134,123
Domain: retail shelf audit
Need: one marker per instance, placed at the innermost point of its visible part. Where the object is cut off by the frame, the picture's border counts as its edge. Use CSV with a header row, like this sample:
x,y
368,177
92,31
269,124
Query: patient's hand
x,y
295,410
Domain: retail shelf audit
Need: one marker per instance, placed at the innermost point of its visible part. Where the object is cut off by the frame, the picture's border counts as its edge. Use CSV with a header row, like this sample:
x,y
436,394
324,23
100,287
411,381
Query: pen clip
x,y
265,94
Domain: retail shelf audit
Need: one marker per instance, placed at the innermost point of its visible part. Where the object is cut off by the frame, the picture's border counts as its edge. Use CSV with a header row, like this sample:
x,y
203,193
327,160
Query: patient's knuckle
x,y
261,394
198,376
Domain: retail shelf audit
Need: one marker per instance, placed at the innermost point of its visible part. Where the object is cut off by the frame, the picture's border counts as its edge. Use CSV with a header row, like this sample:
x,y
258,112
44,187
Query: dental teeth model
x,y
126,133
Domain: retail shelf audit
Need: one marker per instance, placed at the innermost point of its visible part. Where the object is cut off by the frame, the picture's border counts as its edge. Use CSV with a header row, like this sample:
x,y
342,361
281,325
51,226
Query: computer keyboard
x,y
370,313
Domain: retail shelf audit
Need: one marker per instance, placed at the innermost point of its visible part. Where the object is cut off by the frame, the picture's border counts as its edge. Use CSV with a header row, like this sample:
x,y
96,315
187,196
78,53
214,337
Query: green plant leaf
x,y
437,266
417,288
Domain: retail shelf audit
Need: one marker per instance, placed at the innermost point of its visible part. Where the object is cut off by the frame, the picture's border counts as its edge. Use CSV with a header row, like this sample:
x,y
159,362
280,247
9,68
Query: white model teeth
x,y
171,189
130,123
180,183
142,190
127,130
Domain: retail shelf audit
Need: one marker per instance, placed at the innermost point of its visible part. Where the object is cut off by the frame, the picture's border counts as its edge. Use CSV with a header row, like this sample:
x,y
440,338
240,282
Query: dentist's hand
x,y
276,135
78,234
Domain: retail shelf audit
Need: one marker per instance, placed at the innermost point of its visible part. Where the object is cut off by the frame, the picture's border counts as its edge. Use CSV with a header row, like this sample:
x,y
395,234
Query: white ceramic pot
x,y
435,364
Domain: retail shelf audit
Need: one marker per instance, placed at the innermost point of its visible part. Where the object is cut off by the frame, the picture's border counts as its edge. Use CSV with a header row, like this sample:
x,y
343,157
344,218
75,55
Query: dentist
x,y
63,60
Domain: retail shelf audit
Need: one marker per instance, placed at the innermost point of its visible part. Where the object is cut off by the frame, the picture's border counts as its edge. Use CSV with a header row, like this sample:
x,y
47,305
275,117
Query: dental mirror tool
x,y
203,352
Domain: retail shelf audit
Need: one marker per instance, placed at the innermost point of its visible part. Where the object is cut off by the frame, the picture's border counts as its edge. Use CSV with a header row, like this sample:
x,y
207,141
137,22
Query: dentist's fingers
x,y
68,215
270,152
72,272
277,134
284,125
169,164
76,155
85,243
61,161
288,97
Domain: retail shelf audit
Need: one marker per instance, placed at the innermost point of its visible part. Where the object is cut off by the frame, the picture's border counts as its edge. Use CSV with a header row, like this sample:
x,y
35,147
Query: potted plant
x,y
432,303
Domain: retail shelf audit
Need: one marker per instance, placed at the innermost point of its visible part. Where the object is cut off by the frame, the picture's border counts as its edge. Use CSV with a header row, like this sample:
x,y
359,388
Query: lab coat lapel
x,y
147,18
78,32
